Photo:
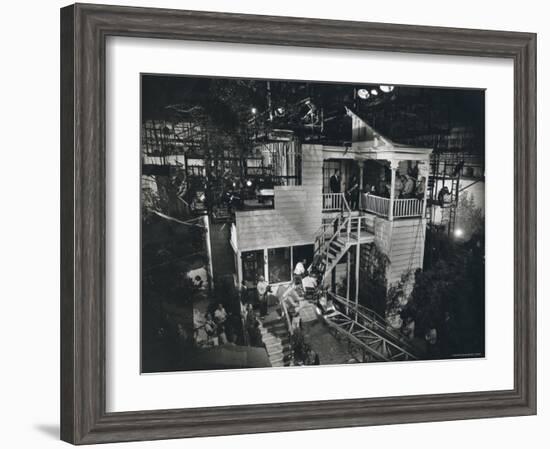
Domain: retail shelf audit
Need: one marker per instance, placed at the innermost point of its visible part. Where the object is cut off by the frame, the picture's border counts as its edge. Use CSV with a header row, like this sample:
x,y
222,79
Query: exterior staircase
x,y
369,336
334,239
277,342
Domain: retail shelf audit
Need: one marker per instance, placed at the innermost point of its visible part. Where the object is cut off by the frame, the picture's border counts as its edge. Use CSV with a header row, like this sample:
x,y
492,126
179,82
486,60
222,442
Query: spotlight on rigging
x,y
386,89
363,94
249,183
374,92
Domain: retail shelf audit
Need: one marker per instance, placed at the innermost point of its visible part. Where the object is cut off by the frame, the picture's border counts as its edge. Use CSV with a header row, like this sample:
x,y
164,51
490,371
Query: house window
x,y
253,265
300,253
278,260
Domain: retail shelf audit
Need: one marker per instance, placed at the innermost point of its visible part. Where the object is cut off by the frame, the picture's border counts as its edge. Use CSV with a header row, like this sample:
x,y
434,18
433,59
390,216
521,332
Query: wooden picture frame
x,y
84,29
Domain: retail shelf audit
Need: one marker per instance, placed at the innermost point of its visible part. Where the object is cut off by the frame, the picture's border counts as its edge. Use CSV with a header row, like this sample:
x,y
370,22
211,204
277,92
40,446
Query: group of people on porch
x,y
406,186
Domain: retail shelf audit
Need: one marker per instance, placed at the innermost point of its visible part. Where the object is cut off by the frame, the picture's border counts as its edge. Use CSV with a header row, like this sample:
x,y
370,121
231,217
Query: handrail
x,y
407,207
345,203
346,224
376,204
334,202
404,207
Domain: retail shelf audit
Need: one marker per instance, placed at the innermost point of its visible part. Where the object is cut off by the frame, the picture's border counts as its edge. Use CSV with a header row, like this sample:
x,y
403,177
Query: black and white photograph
x,y
302,223
275,225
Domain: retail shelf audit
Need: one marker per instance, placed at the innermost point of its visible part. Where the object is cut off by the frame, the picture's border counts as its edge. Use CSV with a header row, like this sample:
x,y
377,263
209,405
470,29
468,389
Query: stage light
x,y
249,183
374,92
253,110
459,233
363,94
280,111
386,89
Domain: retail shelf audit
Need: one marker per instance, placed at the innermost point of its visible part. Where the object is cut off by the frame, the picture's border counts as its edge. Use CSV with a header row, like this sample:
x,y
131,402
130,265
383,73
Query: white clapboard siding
x,y
297,213
407,247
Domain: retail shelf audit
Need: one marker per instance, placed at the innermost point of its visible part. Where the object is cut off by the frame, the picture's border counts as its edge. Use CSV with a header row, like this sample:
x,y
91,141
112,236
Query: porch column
x,y
393,166
361,163
239,268
425,173
266,267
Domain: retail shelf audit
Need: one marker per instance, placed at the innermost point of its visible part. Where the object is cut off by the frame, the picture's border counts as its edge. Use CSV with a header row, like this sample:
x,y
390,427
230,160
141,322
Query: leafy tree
x,y
469,217
372,280
450,297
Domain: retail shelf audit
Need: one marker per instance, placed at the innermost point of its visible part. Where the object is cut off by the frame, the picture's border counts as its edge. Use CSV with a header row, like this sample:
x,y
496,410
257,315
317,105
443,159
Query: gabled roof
x,y
368,143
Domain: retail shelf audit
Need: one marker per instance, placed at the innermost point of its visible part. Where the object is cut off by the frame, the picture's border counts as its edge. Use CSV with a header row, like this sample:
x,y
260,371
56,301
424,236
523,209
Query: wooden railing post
x,y
392,188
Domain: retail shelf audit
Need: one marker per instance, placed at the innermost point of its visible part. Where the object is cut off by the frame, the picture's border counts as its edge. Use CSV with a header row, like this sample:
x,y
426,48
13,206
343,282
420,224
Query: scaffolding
x,y
444,188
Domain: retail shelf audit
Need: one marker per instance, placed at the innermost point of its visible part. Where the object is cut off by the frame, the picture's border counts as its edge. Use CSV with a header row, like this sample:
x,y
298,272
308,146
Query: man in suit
x,y
335,182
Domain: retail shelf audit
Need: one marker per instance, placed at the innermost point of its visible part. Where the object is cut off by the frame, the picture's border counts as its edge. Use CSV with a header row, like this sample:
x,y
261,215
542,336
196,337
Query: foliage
x,y
450,296
398,294
169,251
469,217
372,280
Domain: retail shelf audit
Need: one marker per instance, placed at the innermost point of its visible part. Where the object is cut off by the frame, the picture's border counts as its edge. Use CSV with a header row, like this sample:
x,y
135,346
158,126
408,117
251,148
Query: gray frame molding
x,y
83,32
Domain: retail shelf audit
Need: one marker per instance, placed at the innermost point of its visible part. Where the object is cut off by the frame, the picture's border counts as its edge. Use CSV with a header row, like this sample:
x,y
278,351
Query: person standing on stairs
x,y
264,302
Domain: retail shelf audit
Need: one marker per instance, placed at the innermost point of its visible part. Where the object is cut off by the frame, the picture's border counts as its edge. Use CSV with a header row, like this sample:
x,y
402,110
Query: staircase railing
x,y
346,224
321,234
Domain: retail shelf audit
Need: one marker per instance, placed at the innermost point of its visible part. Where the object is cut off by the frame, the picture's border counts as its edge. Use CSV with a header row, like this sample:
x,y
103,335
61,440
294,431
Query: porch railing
x,y
407,207
333,202
410,207
376,204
